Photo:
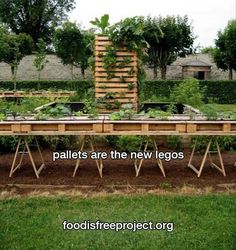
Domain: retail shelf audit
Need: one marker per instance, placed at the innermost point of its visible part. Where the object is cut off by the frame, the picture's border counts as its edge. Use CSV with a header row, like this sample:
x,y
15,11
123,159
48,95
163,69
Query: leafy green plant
x,y
58,111
102,24
128,143
126,112
209,111
109,61
174,141
2,117
131,86
90,108
40,58
188,92
156,113
225,142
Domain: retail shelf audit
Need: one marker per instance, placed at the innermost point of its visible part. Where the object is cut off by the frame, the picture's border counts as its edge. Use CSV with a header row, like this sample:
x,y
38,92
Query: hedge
x,y
218,91
77,85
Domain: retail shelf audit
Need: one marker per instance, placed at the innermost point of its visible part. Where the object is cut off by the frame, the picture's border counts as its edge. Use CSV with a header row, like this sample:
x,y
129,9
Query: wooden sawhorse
x,y
138,163
220,168
90,141
26,150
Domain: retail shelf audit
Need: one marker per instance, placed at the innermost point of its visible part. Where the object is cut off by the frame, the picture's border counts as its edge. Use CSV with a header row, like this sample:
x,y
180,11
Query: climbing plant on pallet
x,y
115,74
118,69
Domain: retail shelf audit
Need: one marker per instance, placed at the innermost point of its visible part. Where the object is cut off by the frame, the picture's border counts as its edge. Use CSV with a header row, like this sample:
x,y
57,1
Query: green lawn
x,y
200,222
224,107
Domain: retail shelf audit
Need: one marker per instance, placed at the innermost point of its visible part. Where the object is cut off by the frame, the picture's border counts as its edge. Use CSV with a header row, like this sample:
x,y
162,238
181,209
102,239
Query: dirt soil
x,y
118,174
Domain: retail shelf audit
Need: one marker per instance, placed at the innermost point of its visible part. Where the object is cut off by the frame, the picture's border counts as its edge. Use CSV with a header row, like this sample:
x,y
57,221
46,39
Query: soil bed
x,y
121,173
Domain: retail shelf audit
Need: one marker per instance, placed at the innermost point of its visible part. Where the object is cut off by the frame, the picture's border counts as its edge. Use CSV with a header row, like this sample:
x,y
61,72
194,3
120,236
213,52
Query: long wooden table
x,y
103,126
86,127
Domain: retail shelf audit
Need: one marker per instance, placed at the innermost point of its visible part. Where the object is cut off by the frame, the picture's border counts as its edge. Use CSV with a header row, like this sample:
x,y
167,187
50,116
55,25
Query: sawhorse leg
x,y
23,141
138,163
91,142
220,168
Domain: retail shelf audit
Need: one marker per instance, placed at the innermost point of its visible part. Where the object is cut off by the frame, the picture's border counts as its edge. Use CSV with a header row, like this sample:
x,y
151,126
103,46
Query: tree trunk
x,y
83,72
72,72
39,78
13,72
230,74
155,72
163,73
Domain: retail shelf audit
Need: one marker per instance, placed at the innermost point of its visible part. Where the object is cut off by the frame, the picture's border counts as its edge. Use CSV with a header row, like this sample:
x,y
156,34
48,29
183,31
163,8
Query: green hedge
x,y
80,85
218,91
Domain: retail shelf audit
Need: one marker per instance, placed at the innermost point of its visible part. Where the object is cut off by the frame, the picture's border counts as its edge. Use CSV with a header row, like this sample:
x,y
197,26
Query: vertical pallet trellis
x,y
123,85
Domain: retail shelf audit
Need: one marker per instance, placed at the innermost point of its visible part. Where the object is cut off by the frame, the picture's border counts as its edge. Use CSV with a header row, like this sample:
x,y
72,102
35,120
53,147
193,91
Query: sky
x,y
206,16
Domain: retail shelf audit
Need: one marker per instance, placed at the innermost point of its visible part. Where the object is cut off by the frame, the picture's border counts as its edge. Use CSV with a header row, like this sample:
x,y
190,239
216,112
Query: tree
x,y
38,18
87,50
224,54
40,57
168,38
71,46
12,49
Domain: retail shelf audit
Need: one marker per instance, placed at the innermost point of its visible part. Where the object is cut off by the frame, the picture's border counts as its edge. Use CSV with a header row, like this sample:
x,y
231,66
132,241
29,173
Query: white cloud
x,y
207,16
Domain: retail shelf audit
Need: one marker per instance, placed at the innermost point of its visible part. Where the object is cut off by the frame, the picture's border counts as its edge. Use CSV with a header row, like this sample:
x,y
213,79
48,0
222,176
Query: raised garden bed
x,y
7,94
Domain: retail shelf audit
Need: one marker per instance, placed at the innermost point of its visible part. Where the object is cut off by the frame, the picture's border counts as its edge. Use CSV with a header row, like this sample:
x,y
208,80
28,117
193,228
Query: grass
x,y
224,107
200,222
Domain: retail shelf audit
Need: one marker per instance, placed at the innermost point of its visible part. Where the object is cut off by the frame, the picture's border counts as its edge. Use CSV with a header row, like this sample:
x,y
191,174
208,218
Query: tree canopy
x,y
13,48
168,37
38,18
224,54
71,46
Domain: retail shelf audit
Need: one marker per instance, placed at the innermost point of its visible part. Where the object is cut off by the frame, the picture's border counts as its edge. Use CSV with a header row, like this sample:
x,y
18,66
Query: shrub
x,y
188,92
216,91
174,141
226,143
128,143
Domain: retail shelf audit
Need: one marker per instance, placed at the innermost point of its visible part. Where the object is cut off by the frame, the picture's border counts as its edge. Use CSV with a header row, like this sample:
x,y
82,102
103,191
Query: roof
x,y
196,63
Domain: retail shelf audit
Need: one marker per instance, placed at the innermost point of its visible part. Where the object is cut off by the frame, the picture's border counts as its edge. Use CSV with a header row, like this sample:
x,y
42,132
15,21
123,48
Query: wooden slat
x,y
103,52
191,128
118,95
119,59
104,74
115,80
129,65
114,85
117,90
121,70
227,127
101,38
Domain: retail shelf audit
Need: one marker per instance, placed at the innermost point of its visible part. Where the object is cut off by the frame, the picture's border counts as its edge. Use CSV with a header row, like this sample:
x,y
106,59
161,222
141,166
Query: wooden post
x,y
91,142
26,150
138,163
207,153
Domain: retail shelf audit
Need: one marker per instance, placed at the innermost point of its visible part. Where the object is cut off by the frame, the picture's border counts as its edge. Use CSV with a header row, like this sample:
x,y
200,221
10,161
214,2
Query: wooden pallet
x,y
36,94
103,126
123,78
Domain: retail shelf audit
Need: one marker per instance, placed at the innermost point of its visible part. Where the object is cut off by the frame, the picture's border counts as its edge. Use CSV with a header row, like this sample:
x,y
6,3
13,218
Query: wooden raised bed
x,y
79,127
101,126
36,94
124,77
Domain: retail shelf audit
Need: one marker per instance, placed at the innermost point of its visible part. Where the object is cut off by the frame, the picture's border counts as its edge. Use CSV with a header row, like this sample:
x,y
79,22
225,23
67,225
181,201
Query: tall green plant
x,y
102,24
188,92
225,52
168,37
69,45
40,57
12,50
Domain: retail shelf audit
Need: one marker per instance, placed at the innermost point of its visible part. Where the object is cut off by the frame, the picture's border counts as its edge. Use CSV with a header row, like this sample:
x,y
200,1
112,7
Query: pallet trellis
x,y
118,85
